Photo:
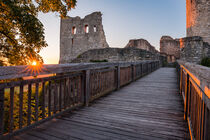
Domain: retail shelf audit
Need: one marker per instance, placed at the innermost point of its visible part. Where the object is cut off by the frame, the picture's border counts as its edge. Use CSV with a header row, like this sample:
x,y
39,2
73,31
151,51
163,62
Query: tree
x,y
21,32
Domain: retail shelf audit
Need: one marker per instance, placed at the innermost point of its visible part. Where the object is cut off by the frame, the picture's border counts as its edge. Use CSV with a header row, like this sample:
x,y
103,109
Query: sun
x,y
34,63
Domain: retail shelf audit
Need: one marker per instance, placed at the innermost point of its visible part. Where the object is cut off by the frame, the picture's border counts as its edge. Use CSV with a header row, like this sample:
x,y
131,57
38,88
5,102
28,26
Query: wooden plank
x,y
11,72
43,100
55,97
118,77
83,89
29,105
21,107
37,102
49,98
60,95
87,87
65,89
149,108
1,111
11,109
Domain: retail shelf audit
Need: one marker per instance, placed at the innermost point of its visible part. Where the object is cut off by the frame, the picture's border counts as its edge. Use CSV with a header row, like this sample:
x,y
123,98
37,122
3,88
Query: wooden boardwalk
x,y
150,108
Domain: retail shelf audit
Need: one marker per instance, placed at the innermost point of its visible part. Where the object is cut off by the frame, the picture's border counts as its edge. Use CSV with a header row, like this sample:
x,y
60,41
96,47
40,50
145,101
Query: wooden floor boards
x,y
149,109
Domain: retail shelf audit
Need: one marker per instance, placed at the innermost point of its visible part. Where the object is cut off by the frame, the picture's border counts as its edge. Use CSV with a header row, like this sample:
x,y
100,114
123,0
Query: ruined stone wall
x,y
141,44
193,49
170,47
79,35
198,18
116,54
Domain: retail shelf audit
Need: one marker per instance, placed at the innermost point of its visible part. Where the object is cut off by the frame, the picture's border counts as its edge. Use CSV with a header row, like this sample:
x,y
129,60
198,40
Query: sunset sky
x,y
122,20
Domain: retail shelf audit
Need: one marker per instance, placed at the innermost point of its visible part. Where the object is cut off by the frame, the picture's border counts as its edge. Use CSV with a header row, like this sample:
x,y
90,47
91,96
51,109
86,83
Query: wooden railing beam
x,y
71,87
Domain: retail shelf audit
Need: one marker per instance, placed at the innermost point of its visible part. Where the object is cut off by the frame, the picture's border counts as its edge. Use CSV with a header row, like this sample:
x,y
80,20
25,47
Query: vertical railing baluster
x,y
11,108
118,77
65,93
70,92
99,82
141,68
186,96
49,98
73,92
201,119
43,100
79,89
21,106
37,102
181,80
132,72
207,124
1,111
77,85
55,97
83,88
60,95
29,105
87,87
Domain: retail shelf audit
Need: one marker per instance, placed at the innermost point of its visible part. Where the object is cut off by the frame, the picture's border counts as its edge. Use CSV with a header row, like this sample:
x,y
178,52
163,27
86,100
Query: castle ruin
x,y
79,35
82,40
141,44
170,48
198,18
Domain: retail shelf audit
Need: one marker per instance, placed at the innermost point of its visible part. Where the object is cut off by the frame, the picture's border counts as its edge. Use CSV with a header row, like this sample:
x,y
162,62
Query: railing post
x,y
186,97
180,82
150,67
132,72
87,87
118,77
157,64
207,124
1,112
83,83
142,69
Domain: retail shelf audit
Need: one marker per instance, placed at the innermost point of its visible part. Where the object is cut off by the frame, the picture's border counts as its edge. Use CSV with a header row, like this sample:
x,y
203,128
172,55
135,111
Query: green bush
x,y
79,56
25,107
98,61
205,62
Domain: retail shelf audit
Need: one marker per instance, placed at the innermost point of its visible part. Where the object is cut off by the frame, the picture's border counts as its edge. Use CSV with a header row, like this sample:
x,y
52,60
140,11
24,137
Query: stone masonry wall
x,y
170,47
193,49
141,44
116,54
198,18
79,35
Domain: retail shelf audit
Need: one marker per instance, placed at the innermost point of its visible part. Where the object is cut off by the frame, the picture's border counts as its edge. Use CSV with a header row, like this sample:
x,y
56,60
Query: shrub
x,y
98,61
205,62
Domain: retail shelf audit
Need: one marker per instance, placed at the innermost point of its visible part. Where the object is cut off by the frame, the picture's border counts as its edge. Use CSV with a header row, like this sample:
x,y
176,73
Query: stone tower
x,y
79,35
170,47
198,18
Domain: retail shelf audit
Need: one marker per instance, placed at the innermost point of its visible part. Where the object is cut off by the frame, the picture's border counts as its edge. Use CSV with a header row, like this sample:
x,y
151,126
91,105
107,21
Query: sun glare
x,y
34,67
34,63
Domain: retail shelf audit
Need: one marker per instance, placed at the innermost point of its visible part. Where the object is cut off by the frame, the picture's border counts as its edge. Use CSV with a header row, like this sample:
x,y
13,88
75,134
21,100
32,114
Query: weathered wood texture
x,y
30,102
150,108
195,92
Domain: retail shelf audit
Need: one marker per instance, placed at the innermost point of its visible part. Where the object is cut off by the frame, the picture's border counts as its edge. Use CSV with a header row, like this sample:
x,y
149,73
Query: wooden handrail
x,y
194,88
25,103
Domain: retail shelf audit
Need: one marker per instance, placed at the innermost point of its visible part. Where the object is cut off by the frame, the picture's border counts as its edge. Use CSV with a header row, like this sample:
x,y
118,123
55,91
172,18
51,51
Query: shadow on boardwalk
x,y
150,108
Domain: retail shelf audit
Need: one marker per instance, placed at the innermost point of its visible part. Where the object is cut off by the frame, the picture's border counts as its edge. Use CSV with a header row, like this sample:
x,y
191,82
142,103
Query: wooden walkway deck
x,y
150,108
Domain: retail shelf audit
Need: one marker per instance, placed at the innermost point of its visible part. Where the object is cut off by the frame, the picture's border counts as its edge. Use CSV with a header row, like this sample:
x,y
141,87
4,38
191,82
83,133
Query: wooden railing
x,y
27,103
194,87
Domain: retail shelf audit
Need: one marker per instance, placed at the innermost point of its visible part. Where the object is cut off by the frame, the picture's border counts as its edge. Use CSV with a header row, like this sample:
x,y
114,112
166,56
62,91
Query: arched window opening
x,y
74,30
86,29
94,28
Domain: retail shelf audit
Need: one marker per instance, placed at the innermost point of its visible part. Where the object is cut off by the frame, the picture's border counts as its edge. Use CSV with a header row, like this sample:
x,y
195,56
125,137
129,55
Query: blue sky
x,y
122,20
